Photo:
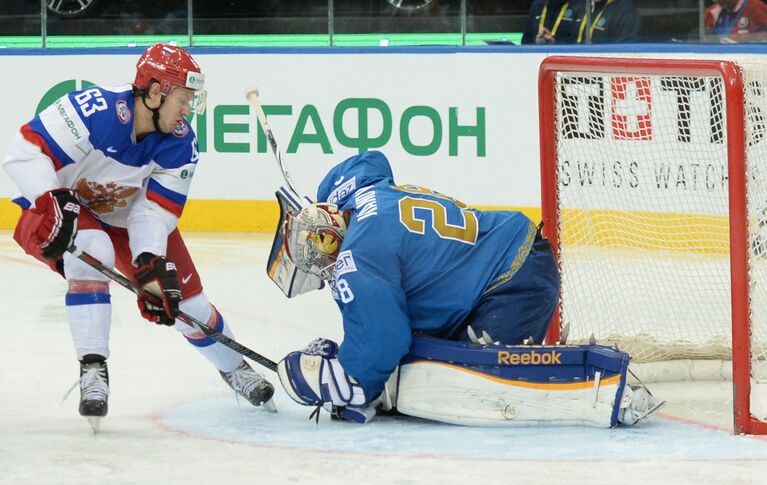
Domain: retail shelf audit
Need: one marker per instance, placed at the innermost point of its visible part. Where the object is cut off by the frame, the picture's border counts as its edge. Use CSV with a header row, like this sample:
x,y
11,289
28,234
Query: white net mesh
x,y
644,213
755,77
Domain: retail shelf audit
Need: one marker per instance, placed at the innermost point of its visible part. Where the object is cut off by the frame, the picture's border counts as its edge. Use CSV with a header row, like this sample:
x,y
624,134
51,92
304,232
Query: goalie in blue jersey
x,y
420,277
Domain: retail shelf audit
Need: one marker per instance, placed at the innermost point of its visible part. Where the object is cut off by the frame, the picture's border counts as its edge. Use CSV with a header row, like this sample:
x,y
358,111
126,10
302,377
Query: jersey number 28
x,y
466,233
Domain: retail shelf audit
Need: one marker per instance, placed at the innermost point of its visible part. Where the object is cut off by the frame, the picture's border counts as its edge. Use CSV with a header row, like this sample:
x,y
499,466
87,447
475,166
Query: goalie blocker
x,y
526,385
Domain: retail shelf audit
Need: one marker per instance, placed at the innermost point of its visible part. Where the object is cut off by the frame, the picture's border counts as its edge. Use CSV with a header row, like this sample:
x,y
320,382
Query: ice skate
x,y
94,390
637,404
251,385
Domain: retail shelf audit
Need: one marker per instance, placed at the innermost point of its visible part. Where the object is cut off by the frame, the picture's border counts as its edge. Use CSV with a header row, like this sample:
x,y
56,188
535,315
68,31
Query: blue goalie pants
x,y
521,307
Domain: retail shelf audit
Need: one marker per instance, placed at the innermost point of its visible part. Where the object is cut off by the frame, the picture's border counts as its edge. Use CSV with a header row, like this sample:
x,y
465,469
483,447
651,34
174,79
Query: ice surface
x,y
172,420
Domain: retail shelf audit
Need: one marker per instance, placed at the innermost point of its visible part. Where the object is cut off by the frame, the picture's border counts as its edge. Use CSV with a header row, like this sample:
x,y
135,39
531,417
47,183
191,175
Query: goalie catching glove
x,y
314,377
158,276
57,229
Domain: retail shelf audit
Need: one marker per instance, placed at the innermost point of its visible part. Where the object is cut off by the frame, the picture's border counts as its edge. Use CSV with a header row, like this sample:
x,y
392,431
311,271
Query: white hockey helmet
x,y
313,238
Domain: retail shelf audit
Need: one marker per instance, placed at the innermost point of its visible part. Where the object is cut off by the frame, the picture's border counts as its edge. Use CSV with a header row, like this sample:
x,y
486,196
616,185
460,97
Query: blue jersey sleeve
x,y
374,309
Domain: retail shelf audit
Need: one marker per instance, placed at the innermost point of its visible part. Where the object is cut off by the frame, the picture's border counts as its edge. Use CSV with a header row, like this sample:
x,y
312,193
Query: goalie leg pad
x,y
512,385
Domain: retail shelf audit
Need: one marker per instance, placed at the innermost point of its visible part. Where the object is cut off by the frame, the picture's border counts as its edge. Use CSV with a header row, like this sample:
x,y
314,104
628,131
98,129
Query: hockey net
x,y
654,184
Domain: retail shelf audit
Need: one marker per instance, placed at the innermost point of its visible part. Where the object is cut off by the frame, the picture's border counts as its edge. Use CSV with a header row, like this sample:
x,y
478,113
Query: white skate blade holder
x,y
270,406
95,423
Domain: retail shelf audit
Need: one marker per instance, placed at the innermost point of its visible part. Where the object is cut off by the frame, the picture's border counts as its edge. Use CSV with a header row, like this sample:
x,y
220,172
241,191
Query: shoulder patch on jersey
x,y
743,22
181,130
344,264
343,191
123,112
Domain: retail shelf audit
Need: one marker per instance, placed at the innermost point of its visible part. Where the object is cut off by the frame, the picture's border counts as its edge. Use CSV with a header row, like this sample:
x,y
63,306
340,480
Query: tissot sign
x,y
659,134
629,104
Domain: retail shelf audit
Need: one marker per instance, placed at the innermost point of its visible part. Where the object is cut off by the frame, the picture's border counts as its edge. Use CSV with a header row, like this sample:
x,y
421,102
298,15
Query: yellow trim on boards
x,y
228,215
9,214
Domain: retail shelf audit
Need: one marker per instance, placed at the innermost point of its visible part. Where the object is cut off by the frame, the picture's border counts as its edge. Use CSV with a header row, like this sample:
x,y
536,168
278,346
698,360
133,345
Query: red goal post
x,y
623,191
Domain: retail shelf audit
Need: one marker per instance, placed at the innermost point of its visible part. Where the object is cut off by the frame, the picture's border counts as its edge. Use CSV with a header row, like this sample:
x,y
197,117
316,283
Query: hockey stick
x,y
252,95
184,317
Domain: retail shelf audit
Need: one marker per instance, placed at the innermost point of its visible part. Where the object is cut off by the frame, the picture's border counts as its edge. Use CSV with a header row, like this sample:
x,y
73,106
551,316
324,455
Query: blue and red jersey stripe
x,y
168,199
35,133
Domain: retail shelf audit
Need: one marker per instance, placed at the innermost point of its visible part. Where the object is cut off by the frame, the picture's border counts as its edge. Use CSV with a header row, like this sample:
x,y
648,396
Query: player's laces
x,y
320,346
249,384
93,383
335,412
316,414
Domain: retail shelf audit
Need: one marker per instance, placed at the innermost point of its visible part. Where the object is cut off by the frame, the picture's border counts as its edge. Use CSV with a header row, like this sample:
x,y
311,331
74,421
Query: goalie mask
x,y
313,238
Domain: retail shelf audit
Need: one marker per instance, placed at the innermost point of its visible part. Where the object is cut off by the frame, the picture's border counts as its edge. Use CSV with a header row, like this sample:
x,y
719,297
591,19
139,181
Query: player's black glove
x,y
57,228
157,275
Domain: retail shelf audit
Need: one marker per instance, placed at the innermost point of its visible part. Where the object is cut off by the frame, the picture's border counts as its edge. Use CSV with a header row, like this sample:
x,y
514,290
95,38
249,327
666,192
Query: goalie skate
x,y
94,390
637,404
251,385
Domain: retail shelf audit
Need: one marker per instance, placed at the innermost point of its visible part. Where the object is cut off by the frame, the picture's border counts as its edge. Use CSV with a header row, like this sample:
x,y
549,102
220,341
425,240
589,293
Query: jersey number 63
x,y
90,101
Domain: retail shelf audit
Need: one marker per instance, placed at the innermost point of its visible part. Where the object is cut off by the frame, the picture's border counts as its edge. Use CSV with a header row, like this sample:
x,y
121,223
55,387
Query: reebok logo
x,y
530,358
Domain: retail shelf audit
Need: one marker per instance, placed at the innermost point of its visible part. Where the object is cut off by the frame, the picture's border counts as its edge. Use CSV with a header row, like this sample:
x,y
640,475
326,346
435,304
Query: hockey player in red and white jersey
x,y
108,170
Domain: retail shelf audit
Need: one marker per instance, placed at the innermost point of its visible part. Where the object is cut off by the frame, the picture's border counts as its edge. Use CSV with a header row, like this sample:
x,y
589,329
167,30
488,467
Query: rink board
x,y
462,121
